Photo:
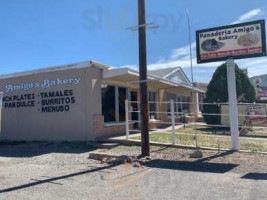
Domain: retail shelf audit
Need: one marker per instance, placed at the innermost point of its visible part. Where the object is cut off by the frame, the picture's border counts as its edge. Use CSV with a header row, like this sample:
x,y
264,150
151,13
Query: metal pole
x,y
194,101
190,45
233,110
143,78
173,122
127,119
191,61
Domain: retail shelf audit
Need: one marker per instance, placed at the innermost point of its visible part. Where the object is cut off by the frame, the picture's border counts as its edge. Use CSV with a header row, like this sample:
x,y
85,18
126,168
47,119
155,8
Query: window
x,y
108,103
113,103
122,98
169,98
181,103
185,101
152,98
178,105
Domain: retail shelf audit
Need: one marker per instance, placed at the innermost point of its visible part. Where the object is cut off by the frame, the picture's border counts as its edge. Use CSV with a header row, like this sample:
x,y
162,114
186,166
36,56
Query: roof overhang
x,y
100,65
131,77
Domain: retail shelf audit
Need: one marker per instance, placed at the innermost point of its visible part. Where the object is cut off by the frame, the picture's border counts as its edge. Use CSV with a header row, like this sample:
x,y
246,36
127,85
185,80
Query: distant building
x,y
182,98
245,70
175,74
260,84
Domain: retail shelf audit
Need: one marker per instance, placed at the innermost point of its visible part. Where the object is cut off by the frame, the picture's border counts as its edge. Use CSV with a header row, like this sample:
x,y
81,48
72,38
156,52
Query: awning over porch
x,y
131,77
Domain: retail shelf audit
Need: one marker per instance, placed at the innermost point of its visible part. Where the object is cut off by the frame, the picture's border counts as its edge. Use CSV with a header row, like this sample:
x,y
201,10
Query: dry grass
x,y
208,139
206,130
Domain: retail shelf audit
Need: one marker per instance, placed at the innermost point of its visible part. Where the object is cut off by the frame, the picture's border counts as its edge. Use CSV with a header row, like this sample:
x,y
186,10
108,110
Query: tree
x,y
217,91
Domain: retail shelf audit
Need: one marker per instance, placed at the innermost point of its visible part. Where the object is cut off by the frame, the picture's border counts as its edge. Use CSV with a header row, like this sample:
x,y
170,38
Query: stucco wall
x,y
93,102
36,122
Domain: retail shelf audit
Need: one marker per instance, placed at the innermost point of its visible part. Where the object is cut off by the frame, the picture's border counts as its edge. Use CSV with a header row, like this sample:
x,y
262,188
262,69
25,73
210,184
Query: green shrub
x,y
217,92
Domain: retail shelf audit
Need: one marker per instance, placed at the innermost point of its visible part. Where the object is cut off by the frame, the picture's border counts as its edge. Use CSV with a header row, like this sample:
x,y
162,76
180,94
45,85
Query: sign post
x,y
237,41
233,110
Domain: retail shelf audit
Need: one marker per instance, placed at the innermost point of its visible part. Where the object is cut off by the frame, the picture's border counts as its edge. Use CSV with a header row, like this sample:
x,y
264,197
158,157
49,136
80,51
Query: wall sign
x,y
256,116
46,83
43,101
262,93
235,41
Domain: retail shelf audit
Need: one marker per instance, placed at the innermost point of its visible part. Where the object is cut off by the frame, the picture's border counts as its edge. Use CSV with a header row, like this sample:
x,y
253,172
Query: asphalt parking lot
x,y
64,171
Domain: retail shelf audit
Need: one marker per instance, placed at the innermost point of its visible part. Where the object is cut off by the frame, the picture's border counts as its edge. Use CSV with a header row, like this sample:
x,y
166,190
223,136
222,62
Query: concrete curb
x,y
101,156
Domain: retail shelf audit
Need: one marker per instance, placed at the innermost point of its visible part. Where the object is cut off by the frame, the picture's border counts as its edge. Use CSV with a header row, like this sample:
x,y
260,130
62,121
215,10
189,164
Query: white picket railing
x,y
173,114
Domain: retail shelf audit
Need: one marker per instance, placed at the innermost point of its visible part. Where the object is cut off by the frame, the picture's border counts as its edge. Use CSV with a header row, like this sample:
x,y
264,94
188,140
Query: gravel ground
x,y
246,162
50,171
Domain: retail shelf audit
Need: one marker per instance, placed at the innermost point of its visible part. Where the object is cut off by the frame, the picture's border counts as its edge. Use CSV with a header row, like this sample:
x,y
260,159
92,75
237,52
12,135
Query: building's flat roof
x,y
58,68
126,74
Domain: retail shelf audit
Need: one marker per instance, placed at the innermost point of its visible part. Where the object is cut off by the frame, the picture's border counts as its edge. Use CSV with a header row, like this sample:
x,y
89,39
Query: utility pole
x,y
141,28
143,78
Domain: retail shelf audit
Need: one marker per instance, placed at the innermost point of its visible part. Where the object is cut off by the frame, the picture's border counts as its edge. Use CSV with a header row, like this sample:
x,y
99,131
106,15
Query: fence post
x,y
233,110
173,122
127,119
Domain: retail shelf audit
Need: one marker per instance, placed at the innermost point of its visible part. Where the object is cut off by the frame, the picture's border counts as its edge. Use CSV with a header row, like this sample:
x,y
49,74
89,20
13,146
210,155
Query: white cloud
x,y
255,66
183,51
130,66
254,62
249,15
181,57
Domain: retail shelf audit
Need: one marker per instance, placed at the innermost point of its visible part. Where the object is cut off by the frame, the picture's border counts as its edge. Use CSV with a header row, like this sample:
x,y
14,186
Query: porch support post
x,y
157,105
129,100
195,103
117,112
127,119
173,122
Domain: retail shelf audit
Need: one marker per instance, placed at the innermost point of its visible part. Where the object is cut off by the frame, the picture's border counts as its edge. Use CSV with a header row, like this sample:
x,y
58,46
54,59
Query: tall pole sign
x,y
233,109
236,41
245,40
143,78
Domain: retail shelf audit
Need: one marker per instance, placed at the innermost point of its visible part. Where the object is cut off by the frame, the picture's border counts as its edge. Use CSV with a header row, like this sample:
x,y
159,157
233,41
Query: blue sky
x,y
41,33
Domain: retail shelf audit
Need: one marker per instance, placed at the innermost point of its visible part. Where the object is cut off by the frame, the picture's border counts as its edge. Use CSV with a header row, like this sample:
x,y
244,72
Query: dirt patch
x,y
244,162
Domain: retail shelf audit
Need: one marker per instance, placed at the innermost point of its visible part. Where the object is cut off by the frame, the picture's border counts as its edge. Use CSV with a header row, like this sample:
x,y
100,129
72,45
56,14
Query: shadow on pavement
x,y
31,149
219,155
200,165
255,176
50,180
191,166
